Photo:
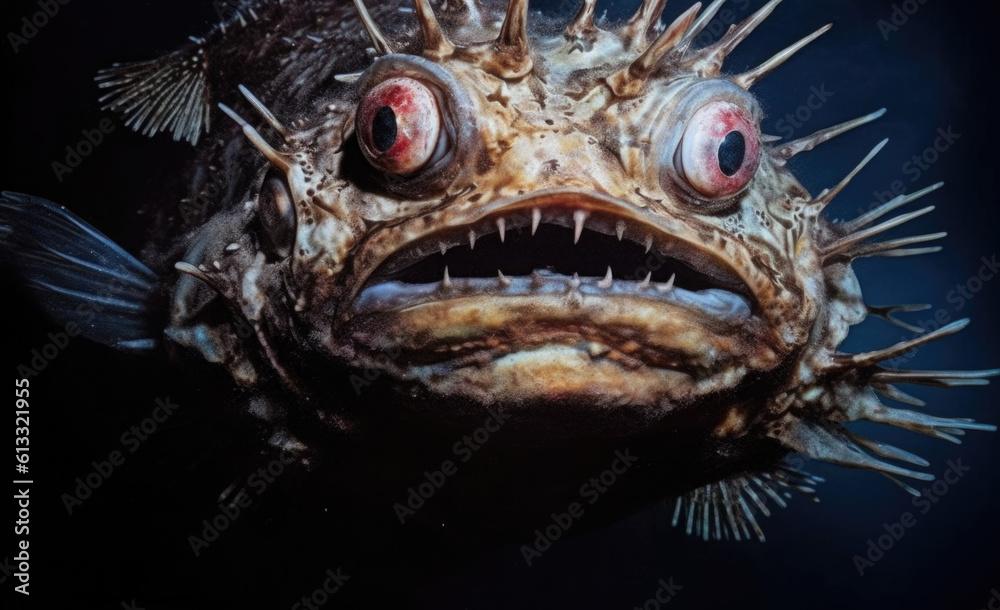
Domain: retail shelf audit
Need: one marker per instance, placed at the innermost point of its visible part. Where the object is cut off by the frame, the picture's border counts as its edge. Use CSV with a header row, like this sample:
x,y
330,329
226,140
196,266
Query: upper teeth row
x,y
579,222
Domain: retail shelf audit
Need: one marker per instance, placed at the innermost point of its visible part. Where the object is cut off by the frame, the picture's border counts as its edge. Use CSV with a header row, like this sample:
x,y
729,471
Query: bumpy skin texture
x,y
584,128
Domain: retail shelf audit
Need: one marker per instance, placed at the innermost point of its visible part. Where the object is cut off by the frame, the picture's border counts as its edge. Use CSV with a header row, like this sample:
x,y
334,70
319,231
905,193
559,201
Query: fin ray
x,y
164,94
79,275
726,500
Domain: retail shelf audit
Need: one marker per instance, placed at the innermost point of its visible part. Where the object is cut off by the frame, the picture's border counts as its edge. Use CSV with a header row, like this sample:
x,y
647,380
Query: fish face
x,y
569,257
543,238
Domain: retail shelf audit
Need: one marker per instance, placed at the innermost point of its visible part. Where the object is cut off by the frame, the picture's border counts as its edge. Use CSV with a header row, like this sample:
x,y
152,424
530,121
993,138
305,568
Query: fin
x,y
165,94
726,508
78,275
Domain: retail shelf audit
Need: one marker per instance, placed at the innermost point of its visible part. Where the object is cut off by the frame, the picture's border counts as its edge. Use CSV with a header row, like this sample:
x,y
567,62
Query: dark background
x,y
129,539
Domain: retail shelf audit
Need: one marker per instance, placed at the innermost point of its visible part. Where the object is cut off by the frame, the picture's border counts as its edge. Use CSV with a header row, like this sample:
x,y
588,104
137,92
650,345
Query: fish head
x,y
582,230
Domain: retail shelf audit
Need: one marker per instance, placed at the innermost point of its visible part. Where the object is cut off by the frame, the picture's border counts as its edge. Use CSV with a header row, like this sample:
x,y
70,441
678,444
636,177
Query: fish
x,y
481,210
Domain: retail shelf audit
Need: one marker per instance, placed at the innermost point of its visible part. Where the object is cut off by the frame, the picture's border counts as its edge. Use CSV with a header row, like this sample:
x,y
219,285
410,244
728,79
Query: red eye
x,y
399,124
719,151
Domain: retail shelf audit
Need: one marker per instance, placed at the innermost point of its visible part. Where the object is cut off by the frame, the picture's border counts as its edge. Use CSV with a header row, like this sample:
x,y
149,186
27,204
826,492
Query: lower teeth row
x,y
537,277
394,294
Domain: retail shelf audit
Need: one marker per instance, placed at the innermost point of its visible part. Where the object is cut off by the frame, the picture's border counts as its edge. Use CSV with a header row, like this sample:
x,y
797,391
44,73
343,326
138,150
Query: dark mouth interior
x,y
552,249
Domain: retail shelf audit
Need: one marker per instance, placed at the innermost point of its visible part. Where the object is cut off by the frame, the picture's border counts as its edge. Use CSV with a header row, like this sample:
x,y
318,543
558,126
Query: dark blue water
x,y
935,74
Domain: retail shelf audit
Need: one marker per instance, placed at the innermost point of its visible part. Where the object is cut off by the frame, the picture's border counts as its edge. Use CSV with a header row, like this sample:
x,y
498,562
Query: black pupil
x,y
384,128
731,153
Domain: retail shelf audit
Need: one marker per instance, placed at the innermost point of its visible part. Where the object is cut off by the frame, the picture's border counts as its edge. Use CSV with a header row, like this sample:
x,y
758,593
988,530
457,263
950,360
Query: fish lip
x,y
452,227
705,341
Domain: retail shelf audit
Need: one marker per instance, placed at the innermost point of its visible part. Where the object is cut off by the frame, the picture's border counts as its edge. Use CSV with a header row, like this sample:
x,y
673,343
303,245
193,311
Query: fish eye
x,y
276,211
400,126
719,151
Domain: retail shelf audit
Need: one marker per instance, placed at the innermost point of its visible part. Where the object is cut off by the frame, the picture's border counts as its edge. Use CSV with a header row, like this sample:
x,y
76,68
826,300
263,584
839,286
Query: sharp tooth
x,y
443,247
536,279
536,217
620,229
472,239
574,283
502,227
644,284
446,280
579,217
649,243
606,282
503,279
597,349
668,286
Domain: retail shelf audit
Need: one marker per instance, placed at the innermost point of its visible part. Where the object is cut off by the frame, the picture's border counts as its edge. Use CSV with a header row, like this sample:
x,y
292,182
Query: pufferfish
x,y
579,225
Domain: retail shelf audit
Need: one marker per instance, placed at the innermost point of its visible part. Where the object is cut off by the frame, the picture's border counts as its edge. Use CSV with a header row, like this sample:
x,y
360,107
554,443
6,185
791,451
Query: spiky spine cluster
x,y
726,508
810,424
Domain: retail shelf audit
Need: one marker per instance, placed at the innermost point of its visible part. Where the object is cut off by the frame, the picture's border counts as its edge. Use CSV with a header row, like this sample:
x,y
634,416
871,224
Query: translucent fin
x,y
726,508
79,275
165,94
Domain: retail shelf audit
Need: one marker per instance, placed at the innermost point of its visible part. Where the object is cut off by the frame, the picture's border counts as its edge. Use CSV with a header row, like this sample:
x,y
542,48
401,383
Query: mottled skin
x,y
592,154
562,122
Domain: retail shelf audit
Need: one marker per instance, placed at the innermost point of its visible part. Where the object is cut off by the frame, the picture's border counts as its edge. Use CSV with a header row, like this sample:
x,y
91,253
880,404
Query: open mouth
x,y
557,249
555,293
